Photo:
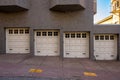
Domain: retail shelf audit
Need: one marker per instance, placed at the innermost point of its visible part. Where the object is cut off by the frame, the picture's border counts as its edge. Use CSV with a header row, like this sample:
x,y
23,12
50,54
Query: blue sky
x,y
103,9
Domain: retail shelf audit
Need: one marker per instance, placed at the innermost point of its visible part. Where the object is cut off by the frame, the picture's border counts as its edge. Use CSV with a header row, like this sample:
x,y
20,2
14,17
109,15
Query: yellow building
x,y
114,18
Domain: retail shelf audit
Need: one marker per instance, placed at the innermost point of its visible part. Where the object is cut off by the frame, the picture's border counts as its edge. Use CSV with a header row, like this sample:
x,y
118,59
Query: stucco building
x,y
56,28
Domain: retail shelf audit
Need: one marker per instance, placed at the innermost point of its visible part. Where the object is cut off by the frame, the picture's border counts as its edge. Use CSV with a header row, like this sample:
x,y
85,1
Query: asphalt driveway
x,y
27,67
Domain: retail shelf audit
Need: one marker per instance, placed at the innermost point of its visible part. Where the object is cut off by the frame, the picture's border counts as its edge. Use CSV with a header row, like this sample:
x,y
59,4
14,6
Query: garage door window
x,y
15,31
106,37
26,31
101,37
78,35
44,34
10,31
38,34
55,33
96,37
72,35
84,35
21,31
18,31
111,37
67,35
49,33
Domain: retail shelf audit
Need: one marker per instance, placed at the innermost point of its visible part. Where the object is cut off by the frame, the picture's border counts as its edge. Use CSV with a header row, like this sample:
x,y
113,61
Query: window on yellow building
x,y
117,4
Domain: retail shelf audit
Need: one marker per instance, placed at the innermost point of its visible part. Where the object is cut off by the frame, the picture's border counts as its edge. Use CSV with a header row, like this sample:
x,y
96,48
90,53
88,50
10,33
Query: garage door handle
x,y
84,53
10,49
112,55
55,51
26,49
67,53
97,55
38,51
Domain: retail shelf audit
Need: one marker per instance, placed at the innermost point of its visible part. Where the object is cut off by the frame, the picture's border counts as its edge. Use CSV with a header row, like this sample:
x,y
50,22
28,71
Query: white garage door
x,y
46,43
105,47
76,45
17,40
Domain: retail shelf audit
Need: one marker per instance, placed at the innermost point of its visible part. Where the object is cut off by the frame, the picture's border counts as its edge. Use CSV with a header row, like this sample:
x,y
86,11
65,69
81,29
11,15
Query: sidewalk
x,y
54,68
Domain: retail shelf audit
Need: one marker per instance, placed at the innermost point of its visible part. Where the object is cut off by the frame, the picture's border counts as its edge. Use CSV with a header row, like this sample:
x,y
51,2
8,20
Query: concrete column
x,y
118,47
61,44
91,46
2,40
31,41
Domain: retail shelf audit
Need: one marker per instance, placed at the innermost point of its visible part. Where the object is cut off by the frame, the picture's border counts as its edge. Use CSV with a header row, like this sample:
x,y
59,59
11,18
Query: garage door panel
x,y
18,50
46,52
51,44
76,45
17,37
47,43
50,40
105,49
109,49
18,46
67,48
42,46
39,41
17,42
72,42
67,41
110,56
99,57
75,54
